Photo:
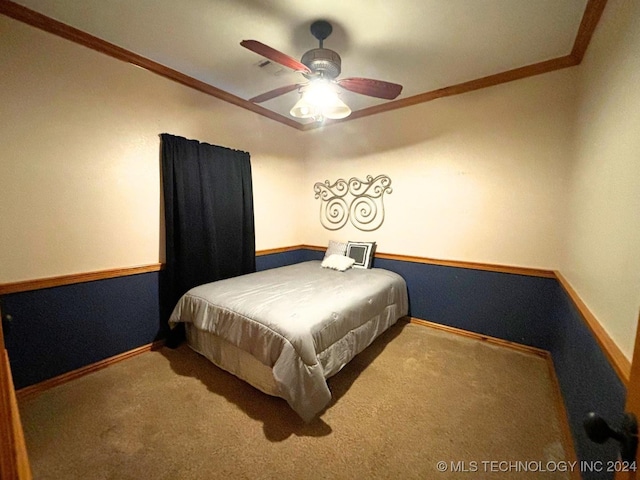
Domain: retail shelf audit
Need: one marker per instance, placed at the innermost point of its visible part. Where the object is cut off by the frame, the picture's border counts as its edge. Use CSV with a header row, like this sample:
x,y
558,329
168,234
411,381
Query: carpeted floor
x,y
415,397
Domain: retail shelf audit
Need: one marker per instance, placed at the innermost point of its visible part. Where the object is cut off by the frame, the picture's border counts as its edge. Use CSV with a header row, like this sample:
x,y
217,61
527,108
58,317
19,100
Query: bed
x,y
287,330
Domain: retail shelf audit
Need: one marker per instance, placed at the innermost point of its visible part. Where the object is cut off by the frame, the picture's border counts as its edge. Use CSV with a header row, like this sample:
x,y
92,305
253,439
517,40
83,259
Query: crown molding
x,y
590,19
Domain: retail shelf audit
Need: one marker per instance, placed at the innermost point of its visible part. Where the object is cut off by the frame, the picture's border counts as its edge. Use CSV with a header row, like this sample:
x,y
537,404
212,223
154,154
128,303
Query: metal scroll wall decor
x,y
357,201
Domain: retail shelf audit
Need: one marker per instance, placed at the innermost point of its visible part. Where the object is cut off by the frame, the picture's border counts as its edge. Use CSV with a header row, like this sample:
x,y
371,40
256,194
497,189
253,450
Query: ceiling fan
x,y
321,67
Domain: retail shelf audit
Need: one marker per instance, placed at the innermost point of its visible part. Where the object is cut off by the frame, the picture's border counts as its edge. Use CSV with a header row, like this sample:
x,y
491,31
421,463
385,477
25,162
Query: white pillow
x,y
337,262
336,248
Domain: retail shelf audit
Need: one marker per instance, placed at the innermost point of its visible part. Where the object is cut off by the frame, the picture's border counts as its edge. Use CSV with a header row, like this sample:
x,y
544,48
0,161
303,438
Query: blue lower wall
x,y
587,379
264,262
56,330
510,307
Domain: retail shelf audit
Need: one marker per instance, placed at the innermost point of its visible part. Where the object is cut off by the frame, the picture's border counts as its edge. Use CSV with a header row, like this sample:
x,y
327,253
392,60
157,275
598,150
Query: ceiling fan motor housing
x,y
323,61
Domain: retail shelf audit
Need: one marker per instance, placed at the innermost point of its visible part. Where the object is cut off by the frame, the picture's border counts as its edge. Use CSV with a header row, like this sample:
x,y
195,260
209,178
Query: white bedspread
x,y
289,317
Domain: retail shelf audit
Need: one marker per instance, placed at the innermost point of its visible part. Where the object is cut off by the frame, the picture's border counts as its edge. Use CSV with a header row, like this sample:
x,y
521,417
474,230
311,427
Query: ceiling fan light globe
x,y
320,100
323,96
304,109
335,109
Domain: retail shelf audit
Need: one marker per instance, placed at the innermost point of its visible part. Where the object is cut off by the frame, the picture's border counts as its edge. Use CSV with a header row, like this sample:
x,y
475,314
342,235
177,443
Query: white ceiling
x,y
421,44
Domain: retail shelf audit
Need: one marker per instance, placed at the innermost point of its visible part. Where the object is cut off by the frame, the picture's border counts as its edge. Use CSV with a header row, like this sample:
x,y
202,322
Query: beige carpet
x,y
415,397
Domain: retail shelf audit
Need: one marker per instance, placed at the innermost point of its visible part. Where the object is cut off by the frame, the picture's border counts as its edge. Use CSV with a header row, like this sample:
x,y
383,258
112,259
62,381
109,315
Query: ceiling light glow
x,y
320,100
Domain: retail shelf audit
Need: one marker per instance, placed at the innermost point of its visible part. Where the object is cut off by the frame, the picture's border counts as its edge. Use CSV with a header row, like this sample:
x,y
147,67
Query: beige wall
x,y
602,254
478,177
80,157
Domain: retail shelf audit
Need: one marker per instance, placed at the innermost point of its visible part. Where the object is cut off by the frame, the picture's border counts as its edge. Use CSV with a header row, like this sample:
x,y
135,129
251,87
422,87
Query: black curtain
x,y
208,205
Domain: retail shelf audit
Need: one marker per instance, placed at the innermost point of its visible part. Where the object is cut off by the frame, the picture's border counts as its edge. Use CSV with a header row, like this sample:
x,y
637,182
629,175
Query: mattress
x,y
297,325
